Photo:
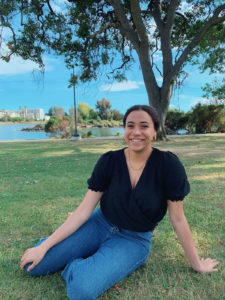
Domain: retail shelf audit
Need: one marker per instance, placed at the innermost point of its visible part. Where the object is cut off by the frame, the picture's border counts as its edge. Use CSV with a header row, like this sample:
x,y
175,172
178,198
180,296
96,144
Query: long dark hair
x,y
148,109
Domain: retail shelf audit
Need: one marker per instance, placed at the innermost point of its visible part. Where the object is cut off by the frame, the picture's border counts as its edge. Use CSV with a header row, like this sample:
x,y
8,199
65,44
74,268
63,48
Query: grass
x,y
41,183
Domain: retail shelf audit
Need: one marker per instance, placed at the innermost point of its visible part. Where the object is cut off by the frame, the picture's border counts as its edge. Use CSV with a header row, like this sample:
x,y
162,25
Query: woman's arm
x,y
184,235
76,219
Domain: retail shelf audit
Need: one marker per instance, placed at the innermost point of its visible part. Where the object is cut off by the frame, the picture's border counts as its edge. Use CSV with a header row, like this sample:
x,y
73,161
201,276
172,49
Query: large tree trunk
x,y
159,97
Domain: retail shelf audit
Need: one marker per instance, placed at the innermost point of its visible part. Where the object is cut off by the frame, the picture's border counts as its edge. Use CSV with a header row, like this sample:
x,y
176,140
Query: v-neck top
x,y
140,208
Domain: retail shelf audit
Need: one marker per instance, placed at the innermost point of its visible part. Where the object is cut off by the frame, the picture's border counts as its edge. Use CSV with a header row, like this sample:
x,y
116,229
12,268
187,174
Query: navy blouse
x,y
139,209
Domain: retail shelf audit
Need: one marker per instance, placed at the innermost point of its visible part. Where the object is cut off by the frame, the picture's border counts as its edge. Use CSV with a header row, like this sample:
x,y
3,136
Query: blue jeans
x,y
95,257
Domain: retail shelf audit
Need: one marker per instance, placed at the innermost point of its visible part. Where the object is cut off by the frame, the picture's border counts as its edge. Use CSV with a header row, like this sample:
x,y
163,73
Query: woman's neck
x,y
139,156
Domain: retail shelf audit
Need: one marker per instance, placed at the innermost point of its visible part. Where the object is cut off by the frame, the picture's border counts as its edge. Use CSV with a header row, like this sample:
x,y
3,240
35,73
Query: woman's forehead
x,y
139,116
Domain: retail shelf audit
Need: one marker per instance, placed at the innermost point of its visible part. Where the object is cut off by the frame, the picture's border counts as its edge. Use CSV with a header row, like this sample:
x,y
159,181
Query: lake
x,y
13,132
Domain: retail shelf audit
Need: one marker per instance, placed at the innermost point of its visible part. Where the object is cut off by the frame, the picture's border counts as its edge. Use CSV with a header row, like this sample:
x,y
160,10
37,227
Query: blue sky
x,y
21,86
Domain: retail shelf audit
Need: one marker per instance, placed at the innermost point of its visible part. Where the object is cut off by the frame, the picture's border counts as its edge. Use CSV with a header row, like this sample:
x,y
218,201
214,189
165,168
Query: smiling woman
x,y
135,186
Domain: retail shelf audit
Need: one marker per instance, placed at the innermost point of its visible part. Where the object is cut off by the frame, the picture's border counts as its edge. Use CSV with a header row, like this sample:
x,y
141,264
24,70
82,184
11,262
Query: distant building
x,y
25,113
9,113
36,113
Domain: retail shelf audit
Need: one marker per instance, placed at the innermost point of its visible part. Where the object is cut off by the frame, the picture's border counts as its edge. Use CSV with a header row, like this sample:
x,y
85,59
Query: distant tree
x,y
93,115
176,120
103,106
71,113
59,112
84,110
207,118
215,92
116,115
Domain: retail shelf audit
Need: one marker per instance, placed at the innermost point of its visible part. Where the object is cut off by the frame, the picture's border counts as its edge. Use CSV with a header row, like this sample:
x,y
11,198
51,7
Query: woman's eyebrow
x,y
143,122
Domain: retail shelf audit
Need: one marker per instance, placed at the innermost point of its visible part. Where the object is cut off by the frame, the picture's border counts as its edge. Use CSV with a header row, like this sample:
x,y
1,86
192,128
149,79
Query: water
x,y
103,131
13,132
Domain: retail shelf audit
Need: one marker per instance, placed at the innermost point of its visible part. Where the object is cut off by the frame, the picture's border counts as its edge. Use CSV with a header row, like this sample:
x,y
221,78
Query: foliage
x,y
84,110
103,106
56,111
11,119
116,115
176,119
93,34
52,124
215,92
208,118
93,115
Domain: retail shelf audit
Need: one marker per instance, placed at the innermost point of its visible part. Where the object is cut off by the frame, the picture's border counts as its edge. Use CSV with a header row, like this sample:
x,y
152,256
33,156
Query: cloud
x,y
121,86
17,66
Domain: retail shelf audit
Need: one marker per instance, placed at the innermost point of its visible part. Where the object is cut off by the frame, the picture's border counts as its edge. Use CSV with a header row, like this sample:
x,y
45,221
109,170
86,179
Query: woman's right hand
x,y
32,255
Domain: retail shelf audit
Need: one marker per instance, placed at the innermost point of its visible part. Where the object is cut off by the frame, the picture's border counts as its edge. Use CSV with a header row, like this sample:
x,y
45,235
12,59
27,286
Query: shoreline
x,y
107,138
22,123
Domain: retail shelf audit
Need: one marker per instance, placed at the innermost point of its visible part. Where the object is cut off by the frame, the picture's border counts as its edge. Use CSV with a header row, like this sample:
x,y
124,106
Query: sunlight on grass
x,y
208,166
57,153
213,176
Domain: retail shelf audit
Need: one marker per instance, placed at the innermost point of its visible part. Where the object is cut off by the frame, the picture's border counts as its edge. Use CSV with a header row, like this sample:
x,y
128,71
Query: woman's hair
x,y
148,109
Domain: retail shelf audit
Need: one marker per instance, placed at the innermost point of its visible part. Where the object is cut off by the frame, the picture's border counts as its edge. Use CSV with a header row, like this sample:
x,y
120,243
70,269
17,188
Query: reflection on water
x,y
13,132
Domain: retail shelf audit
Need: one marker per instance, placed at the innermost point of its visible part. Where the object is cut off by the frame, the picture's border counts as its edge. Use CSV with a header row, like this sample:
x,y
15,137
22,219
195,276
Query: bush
x,y
176,120
52,124
207,118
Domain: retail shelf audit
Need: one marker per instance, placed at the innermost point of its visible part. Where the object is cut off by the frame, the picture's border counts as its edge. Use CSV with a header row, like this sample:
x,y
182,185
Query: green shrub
x,y
52,124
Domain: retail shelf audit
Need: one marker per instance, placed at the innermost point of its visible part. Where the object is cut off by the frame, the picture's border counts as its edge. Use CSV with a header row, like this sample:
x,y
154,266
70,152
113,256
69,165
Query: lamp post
x,y
76,135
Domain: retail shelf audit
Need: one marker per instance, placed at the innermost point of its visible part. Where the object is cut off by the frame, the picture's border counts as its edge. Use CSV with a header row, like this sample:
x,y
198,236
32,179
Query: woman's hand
x,y
207,265
32,255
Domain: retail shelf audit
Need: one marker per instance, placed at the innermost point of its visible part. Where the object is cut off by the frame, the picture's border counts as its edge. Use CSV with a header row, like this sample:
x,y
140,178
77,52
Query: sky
x,y
22,85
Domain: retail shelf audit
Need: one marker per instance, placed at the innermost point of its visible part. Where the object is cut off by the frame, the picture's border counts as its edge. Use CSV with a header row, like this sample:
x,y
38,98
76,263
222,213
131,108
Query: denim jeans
x,y
95,257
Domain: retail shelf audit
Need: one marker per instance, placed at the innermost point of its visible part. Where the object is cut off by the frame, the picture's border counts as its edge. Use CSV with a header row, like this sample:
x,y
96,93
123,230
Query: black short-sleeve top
x,y
139,209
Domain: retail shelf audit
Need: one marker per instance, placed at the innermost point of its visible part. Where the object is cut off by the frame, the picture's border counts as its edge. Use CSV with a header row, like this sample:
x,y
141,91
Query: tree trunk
x,y
159,97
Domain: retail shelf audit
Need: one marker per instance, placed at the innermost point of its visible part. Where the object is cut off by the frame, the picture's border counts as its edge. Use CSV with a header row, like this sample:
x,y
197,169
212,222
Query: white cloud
x,y
17,66
120,86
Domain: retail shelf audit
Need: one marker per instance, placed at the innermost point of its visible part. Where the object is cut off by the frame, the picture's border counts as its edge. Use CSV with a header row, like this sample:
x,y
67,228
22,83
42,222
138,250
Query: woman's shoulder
x,y
168,158
111,156
113,153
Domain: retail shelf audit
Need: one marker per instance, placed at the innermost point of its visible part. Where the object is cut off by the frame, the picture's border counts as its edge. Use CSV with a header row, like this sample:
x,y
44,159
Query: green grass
x,y
41,183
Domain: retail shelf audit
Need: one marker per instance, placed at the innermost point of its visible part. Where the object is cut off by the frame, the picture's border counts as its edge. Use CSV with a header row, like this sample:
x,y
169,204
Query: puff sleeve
x,y
100,177
175,181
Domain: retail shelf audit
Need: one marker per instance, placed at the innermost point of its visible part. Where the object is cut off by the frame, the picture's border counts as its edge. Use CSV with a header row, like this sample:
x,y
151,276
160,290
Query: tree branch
x,y
123,24
50,8
102,30
156,13
214,20
126,60
141,28
171,13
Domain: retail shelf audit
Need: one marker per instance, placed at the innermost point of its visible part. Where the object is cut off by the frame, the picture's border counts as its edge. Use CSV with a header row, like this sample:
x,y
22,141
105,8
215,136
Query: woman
x,y
136,186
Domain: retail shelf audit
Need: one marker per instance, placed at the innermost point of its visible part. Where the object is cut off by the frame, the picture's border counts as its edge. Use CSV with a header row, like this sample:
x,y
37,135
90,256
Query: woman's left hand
x,y
207,265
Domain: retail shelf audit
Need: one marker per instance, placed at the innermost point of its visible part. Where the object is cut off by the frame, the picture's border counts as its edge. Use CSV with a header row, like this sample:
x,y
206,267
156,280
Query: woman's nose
x,y
136,130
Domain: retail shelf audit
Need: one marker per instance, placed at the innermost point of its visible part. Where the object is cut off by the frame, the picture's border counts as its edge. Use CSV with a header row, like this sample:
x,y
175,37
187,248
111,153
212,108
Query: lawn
x,y
41,183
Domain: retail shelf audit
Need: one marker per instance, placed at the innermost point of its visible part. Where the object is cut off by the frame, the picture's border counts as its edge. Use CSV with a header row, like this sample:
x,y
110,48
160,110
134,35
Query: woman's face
x,y
139,130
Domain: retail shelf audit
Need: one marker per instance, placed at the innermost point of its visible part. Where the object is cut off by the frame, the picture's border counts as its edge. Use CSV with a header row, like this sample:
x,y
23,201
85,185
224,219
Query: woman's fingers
x,y
208,265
